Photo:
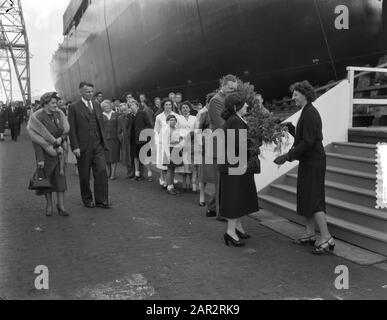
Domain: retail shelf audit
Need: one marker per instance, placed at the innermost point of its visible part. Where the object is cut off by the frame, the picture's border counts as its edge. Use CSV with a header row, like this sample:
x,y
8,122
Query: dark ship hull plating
x,y
158,46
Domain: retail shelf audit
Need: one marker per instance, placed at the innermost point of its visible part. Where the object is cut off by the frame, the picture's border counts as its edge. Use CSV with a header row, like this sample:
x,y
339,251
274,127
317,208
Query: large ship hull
x,y
158,46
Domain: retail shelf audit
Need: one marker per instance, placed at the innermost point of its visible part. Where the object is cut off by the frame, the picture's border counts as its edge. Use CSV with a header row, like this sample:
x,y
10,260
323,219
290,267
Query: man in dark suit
x,y
88,144
216,106
13,118
21,111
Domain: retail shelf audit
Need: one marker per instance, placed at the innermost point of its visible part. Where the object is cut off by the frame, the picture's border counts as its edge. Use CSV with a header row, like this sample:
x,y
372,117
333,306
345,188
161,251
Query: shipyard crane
x,y
14,50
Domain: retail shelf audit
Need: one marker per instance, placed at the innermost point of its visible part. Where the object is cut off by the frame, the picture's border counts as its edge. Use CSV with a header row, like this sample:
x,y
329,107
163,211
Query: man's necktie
x,y
89,105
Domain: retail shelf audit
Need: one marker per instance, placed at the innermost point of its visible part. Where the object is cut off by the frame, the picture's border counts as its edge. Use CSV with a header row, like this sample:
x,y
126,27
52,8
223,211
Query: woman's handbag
x,y
39,181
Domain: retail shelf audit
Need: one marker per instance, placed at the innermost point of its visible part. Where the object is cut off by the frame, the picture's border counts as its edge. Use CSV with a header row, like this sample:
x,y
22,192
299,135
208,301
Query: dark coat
x,y
14,117
3,120
111,135
237,124
149,113
125,124
141,122
309,150
79,119
308,139
238,193
215,110
111,127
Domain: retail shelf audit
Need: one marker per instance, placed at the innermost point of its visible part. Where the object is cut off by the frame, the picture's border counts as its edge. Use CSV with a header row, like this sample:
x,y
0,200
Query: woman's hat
x,y
46,98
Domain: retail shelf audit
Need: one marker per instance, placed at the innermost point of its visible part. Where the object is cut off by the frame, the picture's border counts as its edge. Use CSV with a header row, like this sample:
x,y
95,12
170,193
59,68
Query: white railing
x,y
336,110
333,107
353,100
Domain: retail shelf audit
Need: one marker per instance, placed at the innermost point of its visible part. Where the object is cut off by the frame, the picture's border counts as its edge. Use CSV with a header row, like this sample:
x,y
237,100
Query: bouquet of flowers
x,y
264,127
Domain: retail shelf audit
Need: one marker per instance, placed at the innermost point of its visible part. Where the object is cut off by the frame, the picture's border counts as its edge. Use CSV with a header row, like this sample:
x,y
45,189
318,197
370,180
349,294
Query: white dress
x,y
187,126
160,127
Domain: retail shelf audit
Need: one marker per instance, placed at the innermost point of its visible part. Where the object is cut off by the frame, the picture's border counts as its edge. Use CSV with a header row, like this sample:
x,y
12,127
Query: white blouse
x,y
108,115
187,124
161,122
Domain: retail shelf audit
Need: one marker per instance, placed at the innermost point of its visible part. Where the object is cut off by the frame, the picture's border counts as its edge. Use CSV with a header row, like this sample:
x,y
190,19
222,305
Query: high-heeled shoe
x,y
62,213
326,247
305,241
243,236
235,243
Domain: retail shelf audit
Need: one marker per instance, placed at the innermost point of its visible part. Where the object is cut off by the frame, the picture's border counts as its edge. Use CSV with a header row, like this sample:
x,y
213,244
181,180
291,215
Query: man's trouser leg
x,y
101,184
213,204
84,167
14,134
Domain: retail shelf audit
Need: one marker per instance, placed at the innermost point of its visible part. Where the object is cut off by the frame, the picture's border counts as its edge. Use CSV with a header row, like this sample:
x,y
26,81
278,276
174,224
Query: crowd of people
x,y
123,123
97,134
12,116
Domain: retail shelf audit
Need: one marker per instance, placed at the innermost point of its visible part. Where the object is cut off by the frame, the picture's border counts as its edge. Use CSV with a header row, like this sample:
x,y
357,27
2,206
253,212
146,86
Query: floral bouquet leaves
x,y
264,126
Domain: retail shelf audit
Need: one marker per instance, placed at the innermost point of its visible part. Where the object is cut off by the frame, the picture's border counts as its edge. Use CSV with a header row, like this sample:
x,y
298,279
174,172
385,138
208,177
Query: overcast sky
x,y
44,27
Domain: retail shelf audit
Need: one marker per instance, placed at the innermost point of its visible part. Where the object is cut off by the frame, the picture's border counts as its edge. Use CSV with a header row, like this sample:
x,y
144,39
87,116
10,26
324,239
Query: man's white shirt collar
x,y
87,103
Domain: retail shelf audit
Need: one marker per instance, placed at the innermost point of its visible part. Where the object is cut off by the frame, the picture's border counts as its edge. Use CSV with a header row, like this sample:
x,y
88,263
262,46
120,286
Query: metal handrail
x,y
363,73
362,101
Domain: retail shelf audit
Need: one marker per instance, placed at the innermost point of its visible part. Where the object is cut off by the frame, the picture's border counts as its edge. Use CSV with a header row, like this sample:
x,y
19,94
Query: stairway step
x,y
362,236
352,158
371,135
355,163
363,180
369,176
349,177
354,149
350,172
356,145
342,191
365,216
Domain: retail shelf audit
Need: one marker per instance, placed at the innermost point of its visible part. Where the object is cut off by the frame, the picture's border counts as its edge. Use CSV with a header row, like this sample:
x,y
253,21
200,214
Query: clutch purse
x,y
39,181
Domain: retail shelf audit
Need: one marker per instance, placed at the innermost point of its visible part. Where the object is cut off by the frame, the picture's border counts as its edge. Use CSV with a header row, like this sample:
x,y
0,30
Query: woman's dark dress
x,y
309,150
238,193
125,122
51,164
113,143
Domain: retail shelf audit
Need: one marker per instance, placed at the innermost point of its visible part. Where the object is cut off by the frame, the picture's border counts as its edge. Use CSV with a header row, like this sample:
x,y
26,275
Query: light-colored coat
x,y
41,136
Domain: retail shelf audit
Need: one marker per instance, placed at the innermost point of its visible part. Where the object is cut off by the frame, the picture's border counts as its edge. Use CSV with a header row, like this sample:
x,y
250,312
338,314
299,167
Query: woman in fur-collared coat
x,y
48,129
